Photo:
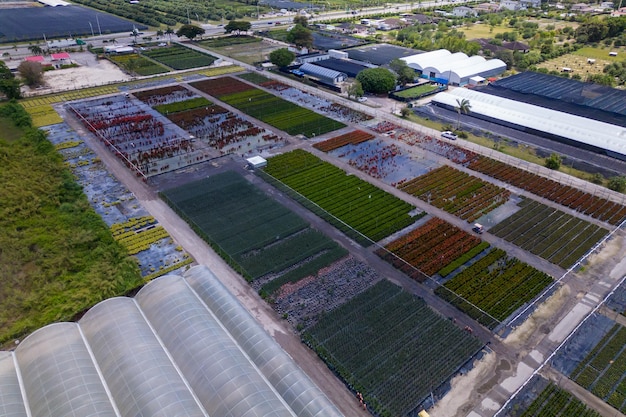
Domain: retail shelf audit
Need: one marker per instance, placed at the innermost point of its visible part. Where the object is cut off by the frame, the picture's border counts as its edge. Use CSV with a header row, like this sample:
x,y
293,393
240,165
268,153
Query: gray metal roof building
x,y
184,346
326,75
580,131
583,99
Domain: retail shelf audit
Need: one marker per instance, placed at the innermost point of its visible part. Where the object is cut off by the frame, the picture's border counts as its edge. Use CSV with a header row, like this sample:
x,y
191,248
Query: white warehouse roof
x,y
579,129
420,61
488,68
184,346
446,65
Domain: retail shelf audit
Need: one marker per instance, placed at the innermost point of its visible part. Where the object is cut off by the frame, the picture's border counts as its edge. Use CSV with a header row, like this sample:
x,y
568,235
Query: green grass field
x,y
578,64
416,91
602,53
482,30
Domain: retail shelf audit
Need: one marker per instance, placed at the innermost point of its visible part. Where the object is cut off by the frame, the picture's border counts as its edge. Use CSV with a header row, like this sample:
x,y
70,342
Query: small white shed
x,y
256,162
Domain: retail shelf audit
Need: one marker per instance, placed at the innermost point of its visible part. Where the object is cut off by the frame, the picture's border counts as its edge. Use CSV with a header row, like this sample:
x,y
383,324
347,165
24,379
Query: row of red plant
x,y
428,248
354,137
456,192
221,128
163,95
221,86
594,206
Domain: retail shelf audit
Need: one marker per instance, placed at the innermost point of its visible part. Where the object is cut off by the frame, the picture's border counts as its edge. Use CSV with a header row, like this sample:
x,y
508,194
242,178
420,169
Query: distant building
x,y
392,24
487,7
530,4
417,18
516,46
510,5
464,11
619,12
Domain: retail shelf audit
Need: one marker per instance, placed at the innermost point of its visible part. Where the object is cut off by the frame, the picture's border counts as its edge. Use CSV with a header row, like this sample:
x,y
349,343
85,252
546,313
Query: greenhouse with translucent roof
x,y
183,346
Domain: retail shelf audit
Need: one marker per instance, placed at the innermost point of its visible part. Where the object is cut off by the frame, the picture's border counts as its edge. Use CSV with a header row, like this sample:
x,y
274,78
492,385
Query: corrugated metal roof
x,y
580,129
317,71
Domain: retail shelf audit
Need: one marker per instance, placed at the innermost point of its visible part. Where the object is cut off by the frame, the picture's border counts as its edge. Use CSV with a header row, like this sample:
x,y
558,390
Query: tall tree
x,y
300,36
35,49
301,20
377,80
282,57
463,106
31,73
237,26
189,31
169,32
134,34
405,73
9,85
355,89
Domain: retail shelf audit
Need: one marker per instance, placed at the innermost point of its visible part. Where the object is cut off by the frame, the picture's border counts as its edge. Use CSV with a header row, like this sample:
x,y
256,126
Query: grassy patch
x,y
179,106
482,30
138,64
602,53
228,41
416,91
8,131
577,63
58,257
180,58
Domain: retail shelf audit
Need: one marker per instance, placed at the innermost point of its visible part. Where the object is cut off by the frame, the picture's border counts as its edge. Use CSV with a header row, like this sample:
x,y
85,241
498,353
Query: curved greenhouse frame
x,y
182,346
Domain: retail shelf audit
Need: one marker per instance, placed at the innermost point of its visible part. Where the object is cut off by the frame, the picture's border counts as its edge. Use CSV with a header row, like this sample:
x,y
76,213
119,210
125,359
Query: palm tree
x,y
169,32
463,106
35,49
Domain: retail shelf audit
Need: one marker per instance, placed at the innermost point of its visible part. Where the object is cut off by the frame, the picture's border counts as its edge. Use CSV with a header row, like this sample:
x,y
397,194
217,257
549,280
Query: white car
x,y
362,99
449,135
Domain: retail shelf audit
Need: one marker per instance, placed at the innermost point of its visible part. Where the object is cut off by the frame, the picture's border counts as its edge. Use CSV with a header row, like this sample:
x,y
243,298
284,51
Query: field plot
x,y
456,192
130,224
224,131
320,105
253,233
603,370
447,150
429,248
242,48
556,402
493,287
391,162
215,126
306,301
138,135
164,95
180,58
351,138
596,207
577,64
138,64
268,108
391,347
357,204
555,236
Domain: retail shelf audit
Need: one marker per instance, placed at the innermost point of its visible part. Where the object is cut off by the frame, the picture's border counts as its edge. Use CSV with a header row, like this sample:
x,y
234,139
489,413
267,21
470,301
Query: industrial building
x,y
573,130
183,346
453,68
324,75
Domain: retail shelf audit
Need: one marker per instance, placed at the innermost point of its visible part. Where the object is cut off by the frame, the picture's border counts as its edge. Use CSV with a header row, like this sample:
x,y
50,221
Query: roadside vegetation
x,y
57,256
